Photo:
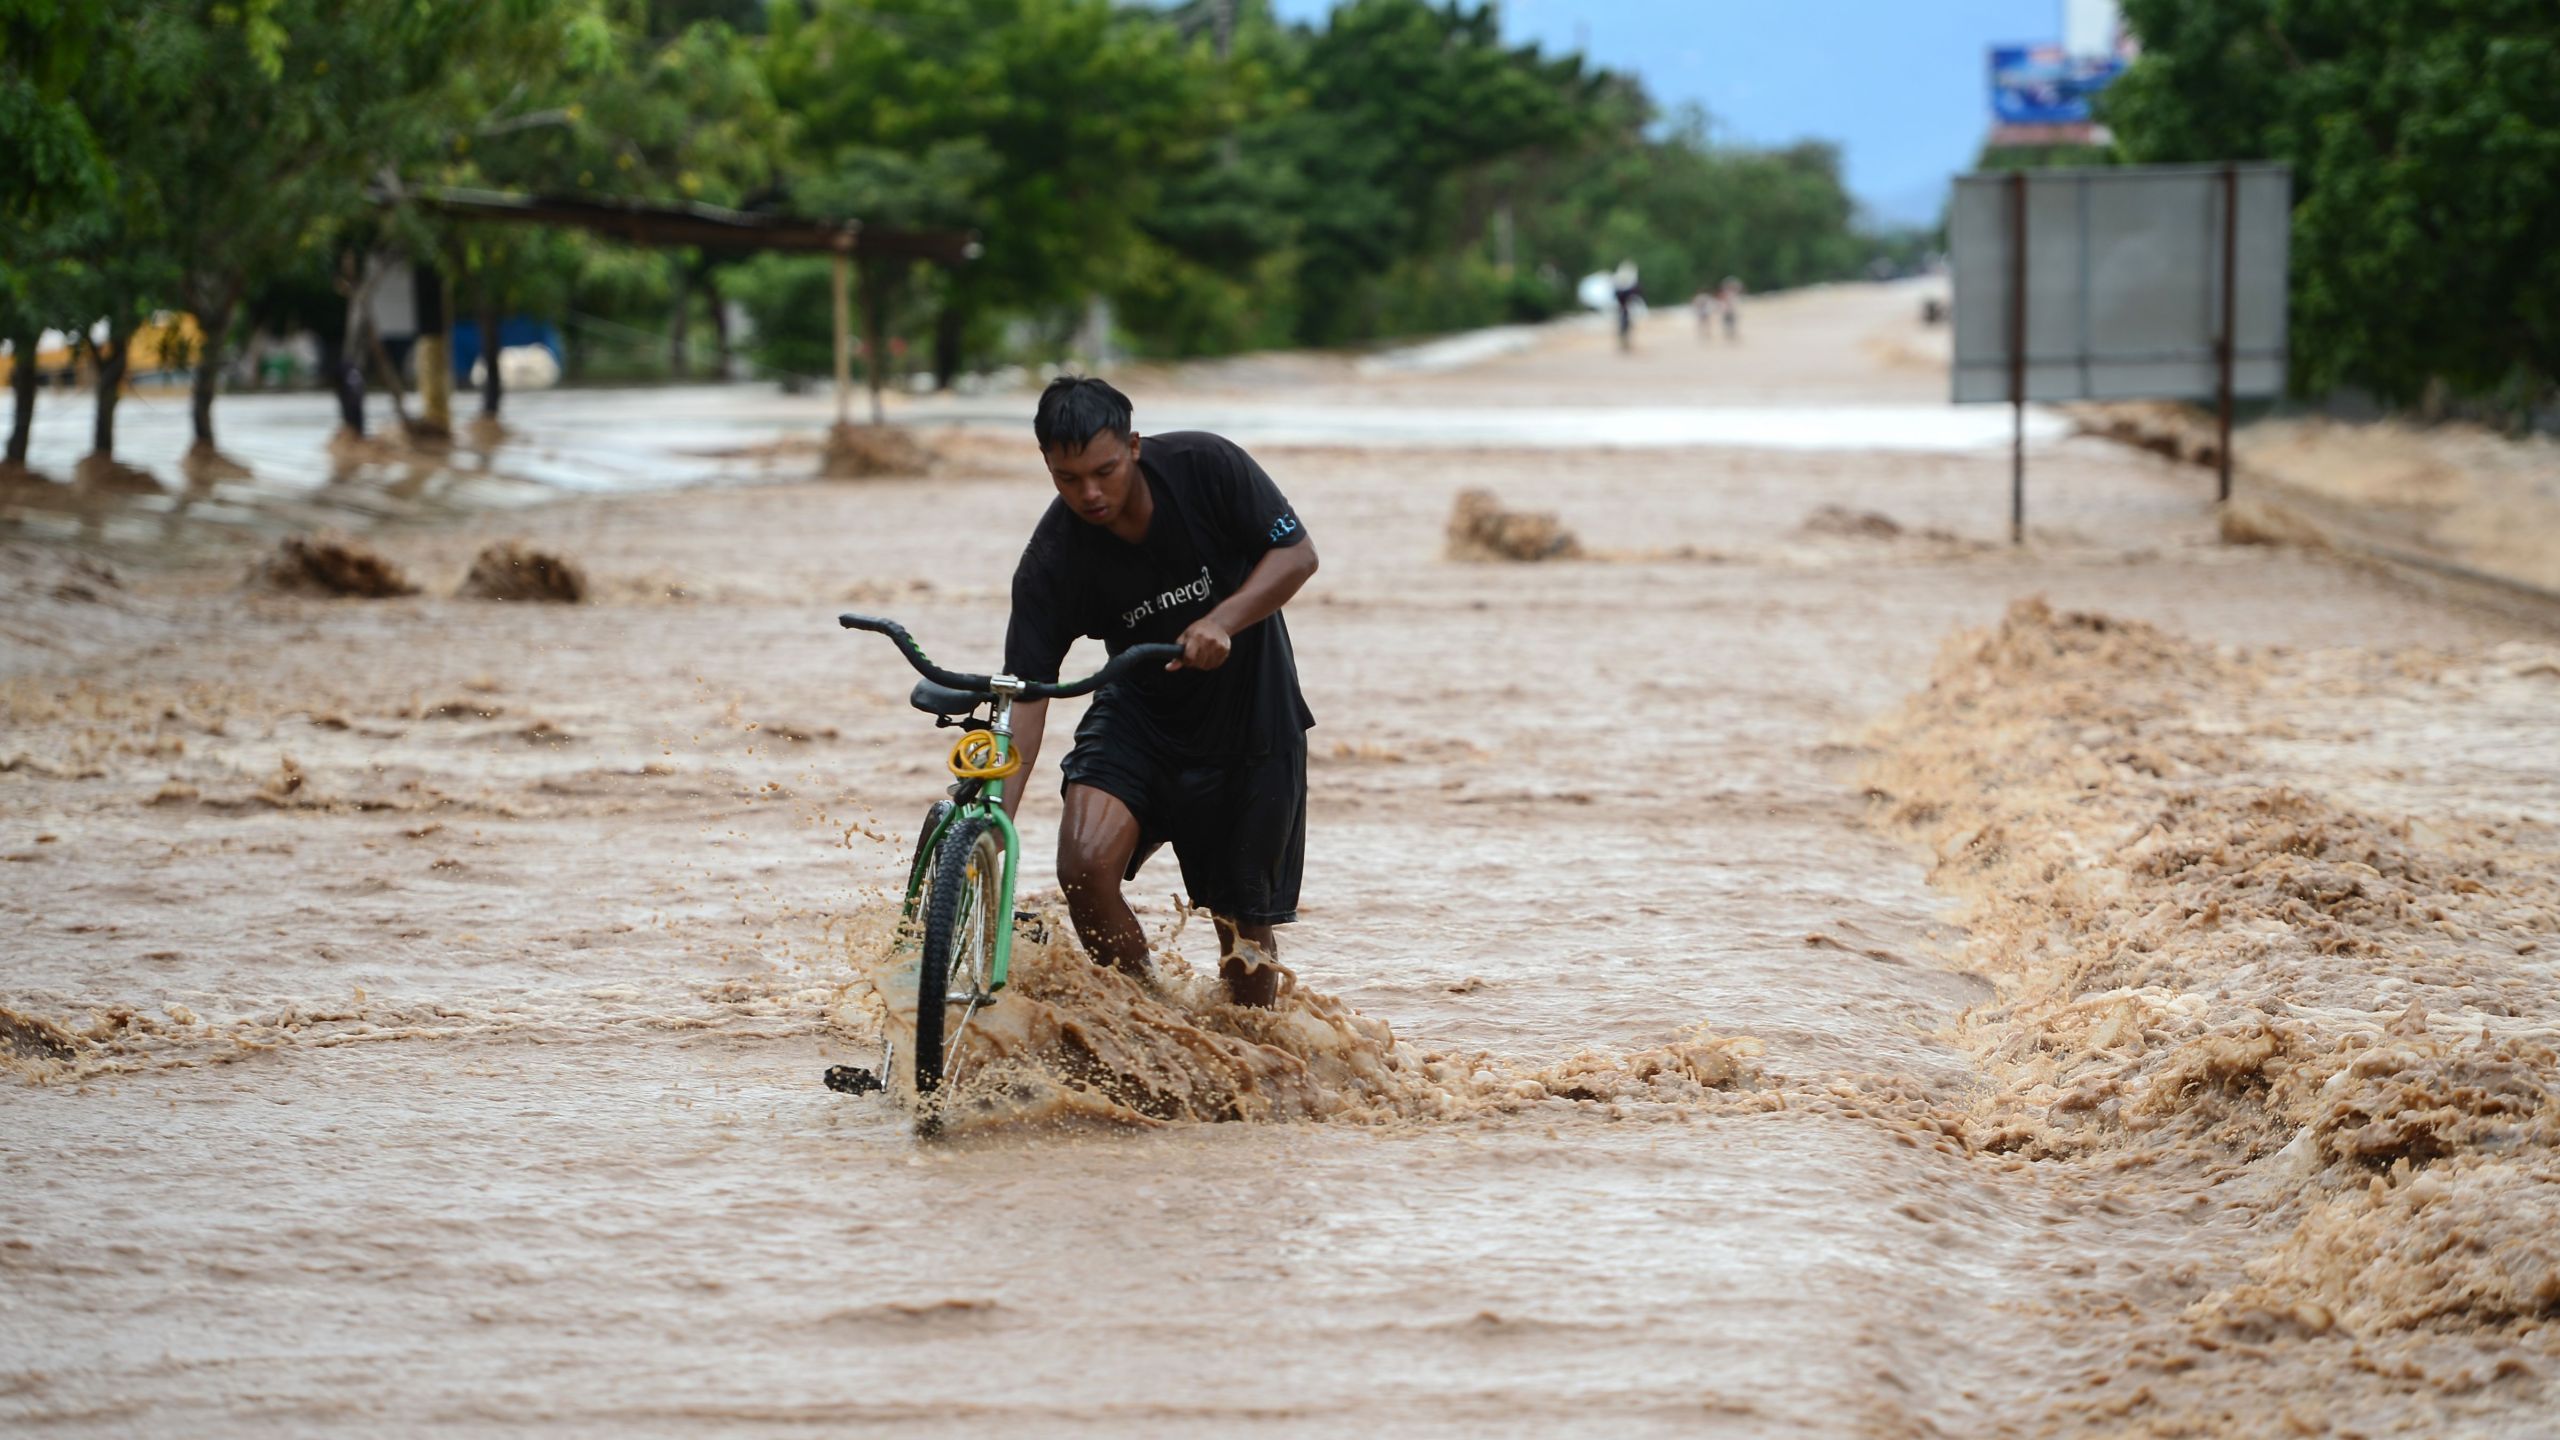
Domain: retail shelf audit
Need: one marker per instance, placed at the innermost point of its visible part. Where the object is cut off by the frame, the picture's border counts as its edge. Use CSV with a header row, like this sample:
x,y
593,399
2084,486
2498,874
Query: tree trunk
x,y
214,316
875,335
719,329
677,324
112,359
493,386
949,327
349,384
24,377
355,281
433,355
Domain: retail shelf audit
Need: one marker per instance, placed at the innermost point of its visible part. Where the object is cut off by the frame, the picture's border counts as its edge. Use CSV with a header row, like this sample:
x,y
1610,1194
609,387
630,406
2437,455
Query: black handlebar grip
x,y
908,647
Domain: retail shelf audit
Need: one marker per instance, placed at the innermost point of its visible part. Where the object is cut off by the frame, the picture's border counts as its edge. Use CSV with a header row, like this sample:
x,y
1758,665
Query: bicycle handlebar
x,y
1119,666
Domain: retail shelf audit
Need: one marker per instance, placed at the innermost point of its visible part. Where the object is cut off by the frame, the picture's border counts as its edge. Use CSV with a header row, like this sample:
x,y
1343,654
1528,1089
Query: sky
x,y
1899,85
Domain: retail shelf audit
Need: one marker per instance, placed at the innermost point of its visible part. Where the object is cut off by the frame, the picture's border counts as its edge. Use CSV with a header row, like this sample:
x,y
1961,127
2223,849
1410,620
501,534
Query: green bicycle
x,y
968,855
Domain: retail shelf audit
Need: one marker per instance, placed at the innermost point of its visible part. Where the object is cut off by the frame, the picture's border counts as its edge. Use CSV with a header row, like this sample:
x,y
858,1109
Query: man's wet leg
x,y
1255,985
1095,840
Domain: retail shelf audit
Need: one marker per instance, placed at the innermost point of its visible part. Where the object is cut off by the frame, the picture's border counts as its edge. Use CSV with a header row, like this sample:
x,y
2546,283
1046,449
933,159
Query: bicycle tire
x,y
920,864
962,909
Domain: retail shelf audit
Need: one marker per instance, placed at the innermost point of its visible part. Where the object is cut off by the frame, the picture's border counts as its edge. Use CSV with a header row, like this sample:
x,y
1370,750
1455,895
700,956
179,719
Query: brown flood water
x,y
1730,1000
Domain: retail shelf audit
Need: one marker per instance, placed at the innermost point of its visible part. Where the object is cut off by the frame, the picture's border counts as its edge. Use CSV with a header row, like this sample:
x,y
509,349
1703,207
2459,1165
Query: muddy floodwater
x,y
1800,968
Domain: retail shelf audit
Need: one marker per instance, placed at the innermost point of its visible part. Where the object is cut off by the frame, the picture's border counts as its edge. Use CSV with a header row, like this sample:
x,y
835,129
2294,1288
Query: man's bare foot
x,y
1252,978
1143,970
1249,961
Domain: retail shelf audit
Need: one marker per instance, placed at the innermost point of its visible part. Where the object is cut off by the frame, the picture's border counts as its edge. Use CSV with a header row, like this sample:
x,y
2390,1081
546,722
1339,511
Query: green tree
x,y
2425,141
1690,211
1402,102
1218,266
1049,126
54,182
268,121
123,267
663,115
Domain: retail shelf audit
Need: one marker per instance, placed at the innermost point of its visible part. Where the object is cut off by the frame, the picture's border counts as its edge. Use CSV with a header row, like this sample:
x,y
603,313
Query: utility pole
x,y
1222,27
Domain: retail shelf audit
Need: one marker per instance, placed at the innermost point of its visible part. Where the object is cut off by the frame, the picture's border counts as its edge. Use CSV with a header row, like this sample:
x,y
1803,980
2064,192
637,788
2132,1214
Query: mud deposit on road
x,y
415,1007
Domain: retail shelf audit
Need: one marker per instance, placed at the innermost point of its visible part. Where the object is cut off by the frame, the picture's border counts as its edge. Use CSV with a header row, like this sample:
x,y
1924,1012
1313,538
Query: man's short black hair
x,y
1075,408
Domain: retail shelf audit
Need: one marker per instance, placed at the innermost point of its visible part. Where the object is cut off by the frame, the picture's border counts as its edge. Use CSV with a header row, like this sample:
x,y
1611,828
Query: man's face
x,y
1095,480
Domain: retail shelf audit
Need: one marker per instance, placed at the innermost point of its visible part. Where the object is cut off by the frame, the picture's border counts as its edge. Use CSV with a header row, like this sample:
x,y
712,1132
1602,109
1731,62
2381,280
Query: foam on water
x,y
1070,1040
2210,975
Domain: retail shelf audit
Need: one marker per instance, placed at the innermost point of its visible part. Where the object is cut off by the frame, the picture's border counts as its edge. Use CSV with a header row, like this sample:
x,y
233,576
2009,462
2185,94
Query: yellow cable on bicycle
x,y
973,757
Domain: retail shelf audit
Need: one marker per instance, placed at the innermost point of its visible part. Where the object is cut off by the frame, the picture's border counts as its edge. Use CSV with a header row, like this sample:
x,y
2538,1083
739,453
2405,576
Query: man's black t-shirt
x,y
1216,515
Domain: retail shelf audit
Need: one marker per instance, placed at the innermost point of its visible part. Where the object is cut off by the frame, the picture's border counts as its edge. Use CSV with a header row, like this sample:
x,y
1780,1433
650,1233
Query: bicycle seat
x,y
935,699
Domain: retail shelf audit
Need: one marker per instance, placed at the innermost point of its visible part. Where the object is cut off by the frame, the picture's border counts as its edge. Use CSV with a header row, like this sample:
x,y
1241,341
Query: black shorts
x,y
1238,826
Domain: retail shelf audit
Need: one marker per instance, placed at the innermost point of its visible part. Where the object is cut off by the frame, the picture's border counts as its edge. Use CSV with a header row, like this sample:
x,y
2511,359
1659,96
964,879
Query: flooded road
x,y
420,1003
1488,390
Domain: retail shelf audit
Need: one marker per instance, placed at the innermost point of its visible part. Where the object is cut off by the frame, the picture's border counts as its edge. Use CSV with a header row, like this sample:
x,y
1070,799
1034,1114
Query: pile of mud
x,y
329,565
510,570
1070,1041
2166,429
2254,520
1480,529
2210,979
14,476
1839,522
2452,494
1854,524
105,475
204,466
861,452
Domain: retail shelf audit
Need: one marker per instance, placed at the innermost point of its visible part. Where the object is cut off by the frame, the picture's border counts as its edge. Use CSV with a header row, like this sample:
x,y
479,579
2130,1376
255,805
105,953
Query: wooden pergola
x,y
640,222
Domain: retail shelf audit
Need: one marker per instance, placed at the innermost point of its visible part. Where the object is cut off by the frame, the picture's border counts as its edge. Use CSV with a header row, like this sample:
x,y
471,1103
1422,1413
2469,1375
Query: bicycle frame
x,y
980,770
985,801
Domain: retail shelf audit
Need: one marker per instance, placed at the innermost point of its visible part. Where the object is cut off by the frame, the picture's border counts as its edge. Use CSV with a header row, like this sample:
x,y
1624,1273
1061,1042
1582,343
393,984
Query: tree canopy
x,y
1221,178
2425,141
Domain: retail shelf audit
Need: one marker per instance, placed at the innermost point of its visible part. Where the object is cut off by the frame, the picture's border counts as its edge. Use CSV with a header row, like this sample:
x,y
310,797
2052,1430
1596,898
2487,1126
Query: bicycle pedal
x,y
852,1080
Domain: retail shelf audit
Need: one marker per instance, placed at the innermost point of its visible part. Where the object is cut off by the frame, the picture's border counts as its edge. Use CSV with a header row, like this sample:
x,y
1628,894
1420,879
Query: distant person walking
x,y
1630,295
1729,300
1703,306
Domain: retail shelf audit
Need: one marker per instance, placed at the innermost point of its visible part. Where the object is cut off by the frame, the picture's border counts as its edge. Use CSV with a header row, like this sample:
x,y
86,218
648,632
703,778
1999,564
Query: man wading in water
x,y
1183,539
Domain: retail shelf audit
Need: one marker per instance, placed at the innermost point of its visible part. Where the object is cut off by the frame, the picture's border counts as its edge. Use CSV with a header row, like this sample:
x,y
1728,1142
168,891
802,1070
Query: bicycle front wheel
x,y
963,906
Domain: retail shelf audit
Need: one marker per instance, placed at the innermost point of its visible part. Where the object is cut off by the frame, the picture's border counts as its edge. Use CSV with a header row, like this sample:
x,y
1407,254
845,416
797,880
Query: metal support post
x,y
2230,274
2018,357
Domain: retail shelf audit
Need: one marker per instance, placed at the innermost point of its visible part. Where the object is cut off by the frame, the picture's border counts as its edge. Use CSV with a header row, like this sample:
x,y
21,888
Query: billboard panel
x,y
2092,27
2047,84
2124,276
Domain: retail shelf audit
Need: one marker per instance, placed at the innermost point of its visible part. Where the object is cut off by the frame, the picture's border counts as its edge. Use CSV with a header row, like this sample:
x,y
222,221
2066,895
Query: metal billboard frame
x,y
2119,283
